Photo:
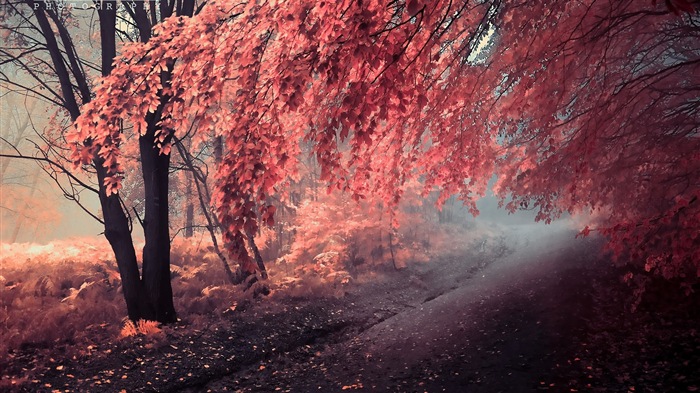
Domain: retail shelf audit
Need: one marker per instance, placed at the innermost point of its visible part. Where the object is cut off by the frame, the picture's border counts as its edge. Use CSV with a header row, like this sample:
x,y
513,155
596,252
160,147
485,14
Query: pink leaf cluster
x,y
577,106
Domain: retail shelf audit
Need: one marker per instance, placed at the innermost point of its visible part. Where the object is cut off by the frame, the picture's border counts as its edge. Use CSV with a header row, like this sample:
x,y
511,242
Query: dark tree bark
x,y
256,254
189,210
119,237
156,252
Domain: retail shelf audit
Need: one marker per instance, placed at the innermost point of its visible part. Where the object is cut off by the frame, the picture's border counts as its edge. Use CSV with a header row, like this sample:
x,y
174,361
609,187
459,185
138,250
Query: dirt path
x,y
522,312
545,314
499,329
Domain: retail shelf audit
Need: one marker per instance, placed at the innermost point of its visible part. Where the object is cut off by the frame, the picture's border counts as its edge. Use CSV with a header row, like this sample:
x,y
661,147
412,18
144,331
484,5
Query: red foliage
x,y
578,106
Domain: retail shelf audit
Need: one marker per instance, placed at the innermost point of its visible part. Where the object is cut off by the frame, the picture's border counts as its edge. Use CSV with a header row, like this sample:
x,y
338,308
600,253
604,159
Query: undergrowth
x,y
70,292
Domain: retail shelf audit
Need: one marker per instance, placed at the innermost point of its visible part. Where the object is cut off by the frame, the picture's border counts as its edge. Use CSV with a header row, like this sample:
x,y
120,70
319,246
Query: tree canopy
x,y
579,107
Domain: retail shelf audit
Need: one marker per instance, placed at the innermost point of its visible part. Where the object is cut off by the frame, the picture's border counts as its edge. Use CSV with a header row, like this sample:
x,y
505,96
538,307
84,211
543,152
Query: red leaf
x,y
413,7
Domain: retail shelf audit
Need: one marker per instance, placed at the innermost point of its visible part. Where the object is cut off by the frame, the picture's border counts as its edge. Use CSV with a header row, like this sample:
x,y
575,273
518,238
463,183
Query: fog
x,y
70,220
47,216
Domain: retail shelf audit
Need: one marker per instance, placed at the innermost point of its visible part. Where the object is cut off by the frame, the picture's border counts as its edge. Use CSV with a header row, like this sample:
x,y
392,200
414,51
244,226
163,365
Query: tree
x,y
42,48
560,99
602,117
249,77
563,100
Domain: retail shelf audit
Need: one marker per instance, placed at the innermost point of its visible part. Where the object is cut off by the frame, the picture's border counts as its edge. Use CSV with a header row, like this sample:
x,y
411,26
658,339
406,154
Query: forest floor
x,y
530,310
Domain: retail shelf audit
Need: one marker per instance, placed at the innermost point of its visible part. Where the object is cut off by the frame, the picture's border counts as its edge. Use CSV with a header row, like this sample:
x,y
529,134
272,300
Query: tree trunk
x,y
156,252
391,250
148,294
117,228
119,237
218,149
256,254
189,210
